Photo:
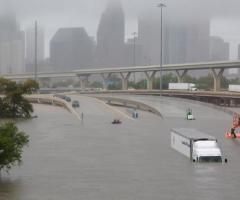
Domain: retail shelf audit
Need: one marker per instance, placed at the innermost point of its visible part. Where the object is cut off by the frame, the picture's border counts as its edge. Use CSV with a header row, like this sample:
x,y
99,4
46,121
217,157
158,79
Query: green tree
x,y
234,81
224,82
166,79
96,84
142,84
11,146
30,86
189,79
114,83
205,82
13,104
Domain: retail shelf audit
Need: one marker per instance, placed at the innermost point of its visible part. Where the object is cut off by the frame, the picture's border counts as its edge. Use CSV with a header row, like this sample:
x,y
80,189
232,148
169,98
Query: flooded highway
x,y
70,159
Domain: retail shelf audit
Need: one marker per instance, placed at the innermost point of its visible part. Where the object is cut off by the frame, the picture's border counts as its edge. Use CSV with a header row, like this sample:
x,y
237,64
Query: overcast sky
x,y
53,14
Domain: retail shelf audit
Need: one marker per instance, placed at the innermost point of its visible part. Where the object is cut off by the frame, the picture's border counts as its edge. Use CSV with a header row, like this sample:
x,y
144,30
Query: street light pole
x,y
36,51
134,52
161,6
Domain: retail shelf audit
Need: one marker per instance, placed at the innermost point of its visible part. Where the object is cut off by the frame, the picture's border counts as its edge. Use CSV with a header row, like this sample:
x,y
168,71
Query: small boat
x,y
116,121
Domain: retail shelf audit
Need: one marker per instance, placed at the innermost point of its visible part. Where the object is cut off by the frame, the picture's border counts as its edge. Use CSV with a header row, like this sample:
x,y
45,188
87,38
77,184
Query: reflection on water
x,y
8,188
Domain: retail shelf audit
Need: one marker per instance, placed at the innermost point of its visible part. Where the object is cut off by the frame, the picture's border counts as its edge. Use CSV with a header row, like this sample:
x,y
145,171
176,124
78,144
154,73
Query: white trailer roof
x,y
192,134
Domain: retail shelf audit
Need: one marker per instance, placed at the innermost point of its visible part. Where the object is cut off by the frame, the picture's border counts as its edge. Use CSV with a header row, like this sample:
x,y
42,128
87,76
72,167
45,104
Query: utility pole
x,y
36,51
134,52
161,6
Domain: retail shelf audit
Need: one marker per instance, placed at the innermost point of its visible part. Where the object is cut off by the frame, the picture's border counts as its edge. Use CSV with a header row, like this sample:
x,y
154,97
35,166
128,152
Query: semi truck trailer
x,y
234,88
196,145
182,86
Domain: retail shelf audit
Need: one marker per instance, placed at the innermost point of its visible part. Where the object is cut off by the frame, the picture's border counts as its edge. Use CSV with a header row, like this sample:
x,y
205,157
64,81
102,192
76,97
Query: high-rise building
x,y
239,51
12,46
110,36
219,49
71,49
133,53
30,48
183,41
198,40
149,38
234,73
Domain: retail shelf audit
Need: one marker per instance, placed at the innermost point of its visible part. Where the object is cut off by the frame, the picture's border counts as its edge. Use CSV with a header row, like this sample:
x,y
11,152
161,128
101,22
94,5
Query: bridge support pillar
x,y
105,77
180,75
150,76
125,78
83,81
217,76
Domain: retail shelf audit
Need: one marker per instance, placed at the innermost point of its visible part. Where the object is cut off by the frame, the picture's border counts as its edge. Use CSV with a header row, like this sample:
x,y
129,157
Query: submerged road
x,y
95,160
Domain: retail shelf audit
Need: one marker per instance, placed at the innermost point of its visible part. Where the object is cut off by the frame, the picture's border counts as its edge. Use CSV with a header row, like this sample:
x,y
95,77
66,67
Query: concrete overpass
x,y
216,68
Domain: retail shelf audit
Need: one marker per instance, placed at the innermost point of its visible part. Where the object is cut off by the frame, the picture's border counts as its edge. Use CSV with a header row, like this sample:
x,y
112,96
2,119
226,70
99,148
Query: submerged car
x,y
75,104
68,99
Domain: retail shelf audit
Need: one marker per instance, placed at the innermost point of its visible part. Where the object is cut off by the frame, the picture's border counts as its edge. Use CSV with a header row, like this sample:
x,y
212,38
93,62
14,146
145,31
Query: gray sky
x,y
53,14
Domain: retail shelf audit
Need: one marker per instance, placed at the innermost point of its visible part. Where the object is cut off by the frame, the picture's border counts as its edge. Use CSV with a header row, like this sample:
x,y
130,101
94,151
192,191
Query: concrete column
x,y
180,75
217,79
105,77
150,76
83,81
125,77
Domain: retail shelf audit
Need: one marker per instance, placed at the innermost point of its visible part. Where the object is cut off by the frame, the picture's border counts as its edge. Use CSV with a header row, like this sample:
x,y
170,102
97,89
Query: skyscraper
x,y
110,36
239,51
219,49
12,46
198,40
71,49
183,40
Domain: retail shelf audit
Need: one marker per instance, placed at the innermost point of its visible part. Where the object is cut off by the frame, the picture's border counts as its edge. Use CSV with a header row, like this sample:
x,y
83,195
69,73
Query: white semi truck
x,y
234,88
182,86
197,146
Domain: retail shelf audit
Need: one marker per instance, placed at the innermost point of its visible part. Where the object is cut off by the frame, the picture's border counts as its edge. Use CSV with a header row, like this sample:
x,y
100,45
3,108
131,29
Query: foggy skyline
x,y
53,14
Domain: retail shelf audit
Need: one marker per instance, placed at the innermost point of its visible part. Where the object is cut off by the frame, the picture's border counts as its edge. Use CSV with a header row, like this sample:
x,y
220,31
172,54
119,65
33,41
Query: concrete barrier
x,y
210,105
128,103
51,100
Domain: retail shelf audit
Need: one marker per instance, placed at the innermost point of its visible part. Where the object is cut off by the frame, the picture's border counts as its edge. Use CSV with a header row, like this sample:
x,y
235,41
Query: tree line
x,y
13,105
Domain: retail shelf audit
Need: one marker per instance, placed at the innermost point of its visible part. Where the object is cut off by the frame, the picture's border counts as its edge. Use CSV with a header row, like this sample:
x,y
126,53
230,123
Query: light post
x,y
161,6
134,53
36,51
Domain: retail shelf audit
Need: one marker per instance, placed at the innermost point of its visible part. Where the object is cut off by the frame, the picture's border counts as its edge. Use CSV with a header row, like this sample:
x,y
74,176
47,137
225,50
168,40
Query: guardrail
x,y
223,98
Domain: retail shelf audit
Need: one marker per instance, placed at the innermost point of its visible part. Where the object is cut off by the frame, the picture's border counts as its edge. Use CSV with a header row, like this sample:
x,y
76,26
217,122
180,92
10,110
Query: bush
x,y
11,146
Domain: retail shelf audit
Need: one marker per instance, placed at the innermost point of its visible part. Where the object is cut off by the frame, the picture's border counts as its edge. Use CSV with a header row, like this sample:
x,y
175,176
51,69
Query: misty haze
x,y
100,33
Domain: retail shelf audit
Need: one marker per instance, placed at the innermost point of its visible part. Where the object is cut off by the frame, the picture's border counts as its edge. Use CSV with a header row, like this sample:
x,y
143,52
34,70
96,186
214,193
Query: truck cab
x,y
206,151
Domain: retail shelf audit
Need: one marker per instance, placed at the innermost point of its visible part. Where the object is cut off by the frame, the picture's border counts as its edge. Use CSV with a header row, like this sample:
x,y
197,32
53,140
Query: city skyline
x,y
87,14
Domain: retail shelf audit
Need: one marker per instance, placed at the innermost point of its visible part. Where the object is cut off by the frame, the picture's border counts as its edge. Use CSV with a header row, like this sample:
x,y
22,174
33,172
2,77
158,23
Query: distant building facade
x,y
219,49
239,51
234,73
183,41
71,49
12,46
110,48
30,49
133,53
